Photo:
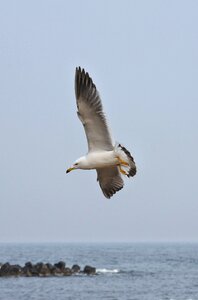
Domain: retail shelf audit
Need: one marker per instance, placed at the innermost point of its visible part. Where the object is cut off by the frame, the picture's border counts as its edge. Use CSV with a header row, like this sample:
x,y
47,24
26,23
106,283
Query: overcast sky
x,y
142,55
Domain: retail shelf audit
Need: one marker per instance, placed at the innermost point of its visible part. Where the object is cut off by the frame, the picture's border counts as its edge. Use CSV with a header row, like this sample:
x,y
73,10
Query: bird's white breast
x,y
101,159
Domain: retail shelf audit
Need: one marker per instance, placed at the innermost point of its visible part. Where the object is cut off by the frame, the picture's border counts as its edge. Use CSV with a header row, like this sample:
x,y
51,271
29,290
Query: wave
x,y
133,273
104,271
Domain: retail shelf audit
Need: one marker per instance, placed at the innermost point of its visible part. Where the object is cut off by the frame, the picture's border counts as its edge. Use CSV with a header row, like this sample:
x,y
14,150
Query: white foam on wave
x,y
107,271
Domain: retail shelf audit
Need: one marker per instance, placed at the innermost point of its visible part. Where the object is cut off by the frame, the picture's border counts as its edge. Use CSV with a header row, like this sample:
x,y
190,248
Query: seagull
x,y
110,161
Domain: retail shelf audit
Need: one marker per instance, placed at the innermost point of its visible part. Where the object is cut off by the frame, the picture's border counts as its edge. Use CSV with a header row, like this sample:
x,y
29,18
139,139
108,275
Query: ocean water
x,y
136,271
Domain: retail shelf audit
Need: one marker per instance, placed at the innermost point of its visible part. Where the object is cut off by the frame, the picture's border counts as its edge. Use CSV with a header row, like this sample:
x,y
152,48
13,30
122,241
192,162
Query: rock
x,y
50,267
55,271
10,270
60,265
29,265
28,273
75,269
28,270
32,270
4,271
67,272
41,269
89,270
15,270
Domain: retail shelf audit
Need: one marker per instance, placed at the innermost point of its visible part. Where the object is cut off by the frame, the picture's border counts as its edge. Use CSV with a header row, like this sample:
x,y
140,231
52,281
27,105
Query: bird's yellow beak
x,y
69,170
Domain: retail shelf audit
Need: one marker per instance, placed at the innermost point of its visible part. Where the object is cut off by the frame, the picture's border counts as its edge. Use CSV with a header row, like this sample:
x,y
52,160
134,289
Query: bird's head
x,y
78,164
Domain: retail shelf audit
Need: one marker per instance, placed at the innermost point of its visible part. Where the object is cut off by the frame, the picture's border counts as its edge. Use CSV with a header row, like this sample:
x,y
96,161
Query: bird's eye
x,y
75,164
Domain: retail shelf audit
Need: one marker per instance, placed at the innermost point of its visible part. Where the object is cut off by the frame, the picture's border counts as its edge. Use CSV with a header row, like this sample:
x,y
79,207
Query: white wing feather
x,y
91,113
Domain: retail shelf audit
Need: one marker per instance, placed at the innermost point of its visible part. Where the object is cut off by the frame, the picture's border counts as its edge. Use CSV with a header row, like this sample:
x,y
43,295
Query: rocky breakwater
x,y
43,270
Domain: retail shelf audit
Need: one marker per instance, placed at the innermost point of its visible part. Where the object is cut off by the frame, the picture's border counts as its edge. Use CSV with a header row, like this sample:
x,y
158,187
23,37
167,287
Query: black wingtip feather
x,y
85,87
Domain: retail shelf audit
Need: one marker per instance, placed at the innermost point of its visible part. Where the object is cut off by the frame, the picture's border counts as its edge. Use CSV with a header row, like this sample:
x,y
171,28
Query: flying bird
x,y
110,161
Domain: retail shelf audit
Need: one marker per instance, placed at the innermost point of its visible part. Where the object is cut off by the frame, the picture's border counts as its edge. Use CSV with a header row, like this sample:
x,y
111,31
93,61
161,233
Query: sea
x,y
125,271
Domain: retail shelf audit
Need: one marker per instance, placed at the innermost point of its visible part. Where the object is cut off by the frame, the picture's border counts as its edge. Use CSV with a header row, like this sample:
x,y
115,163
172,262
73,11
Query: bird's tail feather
x,y
125,156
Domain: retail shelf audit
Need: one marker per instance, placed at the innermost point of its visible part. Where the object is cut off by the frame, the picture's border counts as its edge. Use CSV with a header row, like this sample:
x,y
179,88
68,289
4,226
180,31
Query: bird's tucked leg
x,y
122,162
122,171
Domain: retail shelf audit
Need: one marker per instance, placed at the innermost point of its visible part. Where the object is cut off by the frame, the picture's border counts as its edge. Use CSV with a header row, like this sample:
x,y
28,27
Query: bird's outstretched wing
x,y
110,180
90,112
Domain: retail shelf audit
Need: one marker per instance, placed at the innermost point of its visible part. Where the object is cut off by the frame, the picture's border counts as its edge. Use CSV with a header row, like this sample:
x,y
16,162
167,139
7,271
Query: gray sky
x,y
142,55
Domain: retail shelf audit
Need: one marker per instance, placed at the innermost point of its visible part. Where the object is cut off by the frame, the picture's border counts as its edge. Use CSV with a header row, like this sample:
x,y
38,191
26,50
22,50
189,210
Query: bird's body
x,y
100,159
109,161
